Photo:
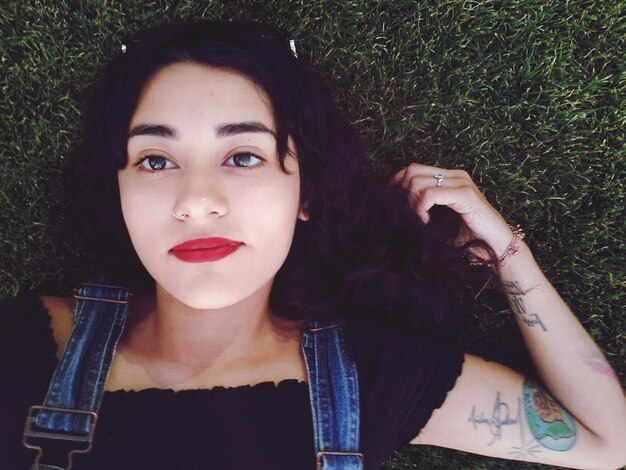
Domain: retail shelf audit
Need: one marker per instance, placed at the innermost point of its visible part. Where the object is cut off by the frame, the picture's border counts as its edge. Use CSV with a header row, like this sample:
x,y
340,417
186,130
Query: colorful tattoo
x,y
600,368
552,426
596,362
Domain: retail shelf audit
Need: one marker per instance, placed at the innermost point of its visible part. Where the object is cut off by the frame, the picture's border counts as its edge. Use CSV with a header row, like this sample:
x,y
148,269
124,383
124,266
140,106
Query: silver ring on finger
x,y
439,179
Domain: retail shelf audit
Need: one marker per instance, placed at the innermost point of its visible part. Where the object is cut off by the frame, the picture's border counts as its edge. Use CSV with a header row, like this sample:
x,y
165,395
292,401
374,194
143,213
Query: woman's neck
x,y
163,329
176,344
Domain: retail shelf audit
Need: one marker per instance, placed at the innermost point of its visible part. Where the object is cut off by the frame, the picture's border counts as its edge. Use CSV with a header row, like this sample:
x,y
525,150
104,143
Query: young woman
x,y
227,193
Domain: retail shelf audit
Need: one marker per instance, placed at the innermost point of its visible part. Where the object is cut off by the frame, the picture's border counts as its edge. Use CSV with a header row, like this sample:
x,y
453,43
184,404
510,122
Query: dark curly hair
x,y
363,250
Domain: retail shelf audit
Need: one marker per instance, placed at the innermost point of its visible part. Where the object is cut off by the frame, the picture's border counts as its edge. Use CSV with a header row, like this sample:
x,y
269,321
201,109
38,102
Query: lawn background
x,y
528,96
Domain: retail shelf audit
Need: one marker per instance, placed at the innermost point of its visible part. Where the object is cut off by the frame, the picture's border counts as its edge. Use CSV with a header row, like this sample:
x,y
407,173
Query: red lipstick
x,y
205,249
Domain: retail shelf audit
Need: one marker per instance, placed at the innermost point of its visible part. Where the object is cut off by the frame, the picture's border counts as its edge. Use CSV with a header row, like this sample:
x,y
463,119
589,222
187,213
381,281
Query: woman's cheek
x,y
142,209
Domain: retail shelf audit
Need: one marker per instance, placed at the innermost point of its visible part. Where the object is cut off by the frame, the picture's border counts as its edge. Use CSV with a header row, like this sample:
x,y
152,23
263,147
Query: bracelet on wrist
x,y
512,249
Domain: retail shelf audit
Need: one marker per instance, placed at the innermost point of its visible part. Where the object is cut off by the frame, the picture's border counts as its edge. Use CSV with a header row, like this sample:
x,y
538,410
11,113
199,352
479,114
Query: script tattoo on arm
x,y
551,426
515,295
501,416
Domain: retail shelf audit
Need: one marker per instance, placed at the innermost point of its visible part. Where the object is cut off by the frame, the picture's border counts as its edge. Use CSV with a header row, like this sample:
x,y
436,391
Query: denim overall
x,y
70,409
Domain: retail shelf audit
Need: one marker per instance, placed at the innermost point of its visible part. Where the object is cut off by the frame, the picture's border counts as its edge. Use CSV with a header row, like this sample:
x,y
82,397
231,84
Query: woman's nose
x,y
200,196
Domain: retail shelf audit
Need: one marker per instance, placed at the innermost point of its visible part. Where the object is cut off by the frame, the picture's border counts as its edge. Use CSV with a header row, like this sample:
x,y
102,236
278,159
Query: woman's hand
x,y
572,367
454,188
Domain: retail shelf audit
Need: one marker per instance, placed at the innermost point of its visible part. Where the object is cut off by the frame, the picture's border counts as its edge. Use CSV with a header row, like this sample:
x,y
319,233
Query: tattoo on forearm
x,y
515,295
517,304
534,320
596,362
552,426
514,288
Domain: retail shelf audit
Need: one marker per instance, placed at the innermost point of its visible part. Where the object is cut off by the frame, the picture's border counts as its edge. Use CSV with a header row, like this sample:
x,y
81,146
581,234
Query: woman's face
x,y
201,143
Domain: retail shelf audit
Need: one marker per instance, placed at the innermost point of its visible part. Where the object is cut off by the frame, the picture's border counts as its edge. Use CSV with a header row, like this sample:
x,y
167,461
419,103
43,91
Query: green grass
x,y
528,96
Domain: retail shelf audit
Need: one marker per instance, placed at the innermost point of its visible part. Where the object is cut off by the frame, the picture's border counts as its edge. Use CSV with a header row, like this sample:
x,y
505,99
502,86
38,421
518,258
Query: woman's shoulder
x,y
371,328
28,347
29,318
61,313
405,372
393,343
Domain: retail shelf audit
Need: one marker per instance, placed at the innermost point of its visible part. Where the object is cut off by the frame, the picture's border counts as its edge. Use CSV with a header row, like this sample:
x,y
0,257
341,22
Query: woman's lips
x,y
203,250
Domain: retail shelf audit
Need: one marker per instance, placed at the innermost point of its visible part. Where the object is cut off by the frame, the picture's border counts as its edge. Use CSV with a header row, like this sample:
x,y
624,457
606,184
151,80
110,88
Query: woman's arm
x,y
493,410
578,422
569,362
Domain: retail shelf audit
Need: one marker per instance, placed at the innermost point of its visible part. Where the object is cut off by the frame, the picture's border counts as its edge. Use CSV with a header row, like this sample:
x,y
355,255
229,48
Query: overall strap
x,y
334,395
69,411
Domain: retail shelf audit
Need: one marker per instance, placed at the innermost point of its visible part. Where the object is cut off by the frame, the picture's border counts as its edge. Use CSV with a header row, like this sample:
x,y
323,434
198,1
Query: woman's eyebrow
x,y
158,130
222,130
234,128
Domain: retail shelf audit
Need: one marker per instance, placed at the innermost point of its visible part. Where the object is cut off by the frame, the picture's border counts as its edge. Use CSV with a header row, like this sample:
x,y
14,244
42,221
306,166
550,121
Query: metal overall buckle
x,y
64,436
320,454
76,294
321,328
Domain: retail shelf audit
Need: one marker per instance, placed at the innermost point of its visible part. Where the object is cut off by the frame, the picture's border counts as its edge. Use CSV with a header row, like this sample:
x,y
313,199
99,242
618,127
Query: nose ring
x,y
177,216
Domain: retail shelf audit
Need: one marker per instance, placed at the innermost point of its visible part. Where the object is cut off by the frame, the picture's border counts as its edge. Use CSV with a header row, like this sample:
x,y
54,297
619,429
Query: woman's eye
x,y
155,163
243,160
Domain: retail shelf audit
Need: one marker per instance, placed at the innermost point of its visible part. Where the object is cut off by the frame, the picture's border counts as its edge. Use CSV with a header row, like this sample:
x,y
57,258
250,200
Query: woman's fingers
x,y
405,175
461,197
423,182
429,186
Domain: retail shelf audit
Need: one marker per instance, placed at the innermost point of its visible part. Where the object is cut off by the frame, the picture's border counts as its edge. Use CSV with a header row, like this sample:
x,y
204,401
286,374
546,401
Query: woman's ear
x,y
303,214
305,197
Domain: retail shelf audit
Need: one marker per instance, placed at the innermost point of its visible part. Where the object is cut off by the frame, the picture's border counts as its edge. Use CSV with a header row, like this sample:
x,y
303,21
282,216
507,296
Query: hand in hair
x,y
457,191
576,418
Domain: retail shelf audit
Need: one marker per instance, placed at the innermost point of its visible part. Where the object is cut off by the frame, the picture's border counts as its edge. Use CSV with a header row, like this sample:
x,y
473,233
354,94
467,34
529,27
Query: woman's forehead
x,y
190,91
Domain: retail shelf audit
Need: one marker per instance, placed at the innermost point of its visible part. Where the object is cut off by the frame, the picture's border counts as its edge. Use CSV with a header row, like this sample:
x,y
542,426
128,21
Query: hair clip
x,y
292,45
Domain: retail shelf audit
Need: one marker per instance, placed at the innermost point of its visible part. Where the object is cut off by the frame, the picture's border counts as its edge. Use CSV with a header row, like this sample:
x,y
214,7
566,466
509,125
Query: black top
x,y
403,377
